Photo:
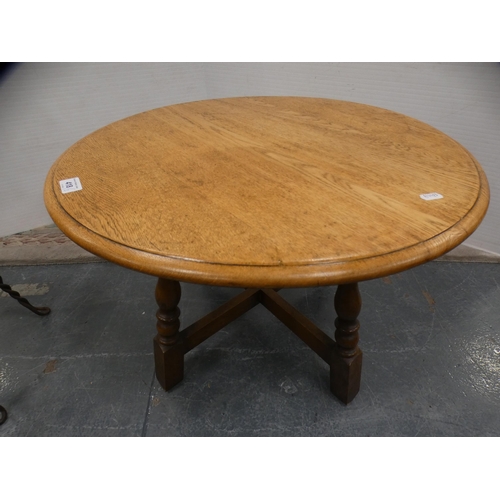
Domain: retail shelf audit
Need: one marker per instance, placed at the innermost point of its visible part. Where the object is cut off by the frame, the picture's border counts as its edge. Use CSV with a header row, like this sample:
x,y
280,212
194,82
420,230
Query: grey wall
x,y
44,108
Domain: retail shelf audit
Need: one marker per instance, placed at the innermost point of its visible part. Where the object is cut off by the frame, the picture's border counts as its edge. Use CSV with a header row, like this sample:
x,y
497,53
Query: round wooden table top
x,y
268,192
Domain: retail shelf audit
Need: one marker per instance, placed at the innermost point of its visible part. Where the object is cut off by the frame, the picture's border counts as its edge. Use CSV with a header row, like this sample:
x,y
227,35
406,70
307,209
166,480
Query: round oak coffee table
x,y
265,193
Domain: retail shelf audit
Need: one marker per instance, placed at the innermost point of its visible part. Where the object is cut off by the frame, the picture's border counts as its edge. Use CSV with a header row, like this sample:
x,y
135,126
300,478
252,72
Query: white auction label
x,y
70,185
431,196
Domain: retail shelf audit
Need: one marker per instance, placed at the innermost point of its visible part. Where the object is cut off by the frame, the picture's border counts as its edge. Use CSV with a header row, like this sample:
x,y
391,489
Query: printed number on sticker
x,y
70,185
431,196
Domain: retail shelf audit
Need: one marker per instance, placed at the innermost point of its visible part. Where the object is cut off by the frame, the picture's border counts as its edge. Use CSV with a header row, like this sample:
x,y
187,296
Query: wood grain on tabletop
x,y
268,191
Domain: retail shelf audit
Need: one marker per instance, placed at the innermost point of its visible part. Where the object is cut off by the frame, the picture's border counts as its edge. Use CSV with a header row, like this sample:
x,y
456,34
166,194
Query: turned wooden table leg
x,y
168,346
345,366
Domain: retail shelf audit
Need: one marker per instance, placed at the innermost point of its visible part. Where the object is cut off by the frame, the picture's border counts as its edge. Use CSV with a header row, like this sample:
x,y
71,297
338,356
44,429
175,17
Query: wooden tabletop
x,y
268,192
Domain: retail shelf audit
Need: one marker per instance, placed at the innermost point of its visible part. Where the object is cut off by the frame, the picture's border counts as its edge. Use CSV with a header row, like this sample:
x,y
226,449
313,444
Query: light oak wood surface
x,y
268,192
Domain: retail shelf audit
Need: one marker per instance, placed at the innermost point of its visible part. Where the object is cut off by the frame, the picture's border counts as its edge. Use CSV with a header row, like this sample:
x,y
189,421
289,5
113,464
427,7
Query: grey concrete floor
x,y
430,337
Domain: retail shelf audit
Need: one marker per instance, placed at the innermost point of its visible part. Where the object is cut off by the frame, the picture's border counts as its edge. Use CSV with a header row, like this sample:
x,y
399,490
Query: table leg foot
x,y
345,375
168,346
346,357
169,365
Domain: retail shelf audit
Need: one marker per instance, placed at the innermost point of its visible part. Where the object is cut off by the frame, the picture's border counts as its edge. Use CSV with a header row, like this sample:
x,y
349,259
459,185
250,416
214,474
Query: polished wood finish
x,y
263,193
168,345
304,328
219,318
343,355
268,192
346,360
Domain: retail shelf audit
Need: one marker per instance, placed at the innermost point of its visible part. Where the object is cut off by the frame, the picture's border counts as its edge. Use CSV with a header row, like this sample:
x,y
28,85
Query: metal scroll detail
x,y
3,415
41,311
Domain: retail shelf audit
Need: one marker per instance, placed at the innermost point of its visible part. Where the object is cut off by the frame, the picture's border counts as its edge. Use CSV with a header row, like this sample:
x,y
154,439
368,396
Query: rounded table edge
x,y
285,276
